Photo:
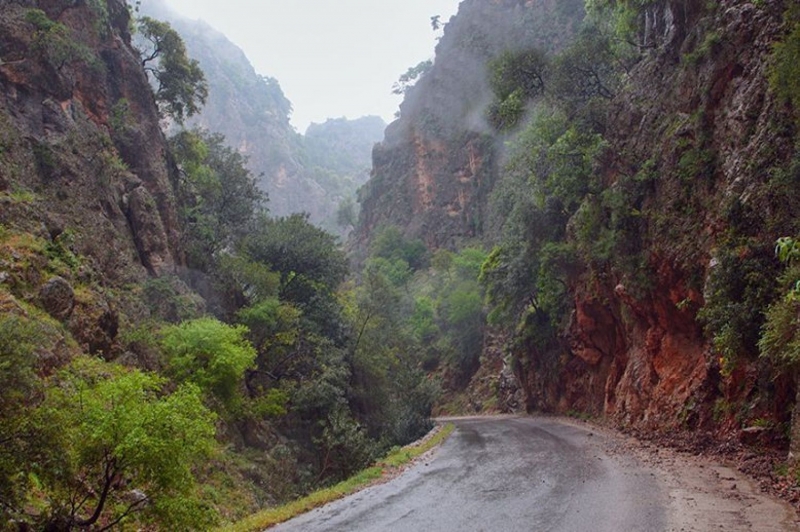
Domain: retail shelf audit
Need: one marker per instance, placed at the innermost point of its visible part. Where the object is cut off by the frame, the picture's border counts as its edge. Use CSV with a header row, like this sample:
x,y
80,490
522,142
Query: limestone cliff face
x,y
437,163
699,114
251,111
80,146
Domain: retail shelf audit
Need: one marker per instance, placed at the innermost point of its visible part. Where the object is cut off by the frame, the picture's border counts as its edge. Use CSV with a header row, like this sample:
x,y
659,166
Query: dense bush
x,y
106,445
210,354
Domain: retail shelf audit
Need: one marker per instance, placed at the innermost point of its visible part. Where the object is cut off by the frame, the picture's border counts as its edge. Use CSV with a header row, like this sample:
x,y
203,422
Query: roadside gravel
x,y
706,493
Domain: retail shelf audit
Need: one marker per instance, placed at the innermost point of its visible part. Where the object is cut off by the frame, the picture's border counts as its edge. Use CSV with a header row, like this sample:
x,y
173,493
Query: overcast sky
x,y
333,58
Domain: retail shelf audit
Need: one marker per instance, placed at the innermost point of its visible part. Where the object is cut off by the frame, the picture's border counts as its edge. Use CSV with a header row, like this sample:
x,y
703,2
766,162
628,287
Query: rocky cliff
x,y
438,162
81,136
665,257
86,186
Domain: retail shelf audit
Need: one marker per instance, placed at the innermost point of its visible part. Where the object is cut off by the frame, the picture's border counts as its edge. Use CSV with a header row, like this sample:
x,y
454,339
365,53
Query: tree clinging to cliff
x,y
181,88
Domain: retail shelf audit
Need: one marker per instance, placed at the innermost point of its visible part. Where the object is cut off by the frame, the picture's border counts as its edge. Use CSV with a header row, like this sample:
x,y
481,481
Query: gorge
x,y
582,208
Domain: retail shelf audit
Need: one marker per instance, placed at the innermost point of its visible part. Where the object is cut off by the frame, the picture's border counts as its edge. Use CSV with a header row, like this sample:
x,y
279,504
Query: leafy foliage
x,y
626,16
739,287
210,354
390,243
220,196
19,395
113,447
515,78
411,76
299,251
180,85
780,336
586,70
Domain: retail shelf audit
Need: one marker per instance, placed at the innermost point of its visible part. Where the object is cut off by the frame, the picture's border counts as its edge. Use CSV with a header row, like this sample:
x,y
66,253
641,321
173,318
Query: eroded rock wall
x,y
699,111
437,164
81,142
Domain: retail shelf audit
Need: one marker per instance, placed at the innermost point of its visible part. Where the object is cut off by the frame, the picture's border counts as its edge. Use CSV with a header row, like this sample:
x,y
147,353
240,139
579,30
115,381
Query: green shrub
x,y
740,286
109,423
780,337
210,354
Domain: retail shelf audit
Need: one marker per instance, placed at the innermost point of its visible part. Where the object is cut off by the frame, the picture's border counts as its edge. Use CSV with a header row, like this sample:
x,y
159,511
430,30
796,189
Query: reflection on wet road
x,y
507,474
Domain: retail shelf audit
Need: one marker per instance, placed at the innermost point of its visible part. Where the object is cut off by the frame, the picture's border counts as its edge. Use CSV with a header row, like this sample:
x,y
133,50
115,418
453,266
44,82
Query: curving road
x,y
506,474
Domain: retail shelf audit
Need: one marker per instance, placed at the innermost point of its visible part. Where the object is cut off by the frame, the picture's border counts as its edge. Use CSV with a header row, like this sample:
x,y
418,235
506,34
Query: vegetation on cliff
x,y
630,184
171,355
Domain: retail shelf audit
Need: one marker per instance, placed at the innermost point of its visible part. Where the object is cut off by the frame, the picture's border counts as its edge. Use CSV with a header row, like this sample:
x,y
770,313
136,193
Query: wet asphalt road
x,y
505,474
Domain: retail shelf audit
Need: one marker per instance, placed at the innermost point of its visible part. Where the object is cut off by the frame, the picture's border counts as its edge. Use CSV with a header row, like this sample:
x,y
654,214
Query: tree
x,y
462,310
388,389
124,449
346,215
220,196
515,78
627,18
586,70
310,263
180,85
411,76
212,355
390,243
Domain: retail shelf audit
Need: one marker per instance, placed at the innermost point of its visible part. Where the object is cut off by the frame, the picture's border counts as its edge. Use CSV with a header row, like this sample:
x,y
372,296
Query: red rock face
x,y
644,360
639,362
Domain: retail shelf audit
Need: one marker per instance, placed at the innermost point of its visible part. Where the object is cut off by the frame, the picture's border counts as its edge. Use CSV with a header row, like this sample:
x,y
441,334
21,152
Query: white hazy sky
x,y
333,58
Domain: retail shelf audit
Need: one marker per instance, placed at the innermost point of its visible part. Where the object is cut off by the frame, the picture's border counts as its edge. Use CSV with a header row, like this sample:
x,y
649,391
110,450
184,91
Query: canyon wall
x,y
695,185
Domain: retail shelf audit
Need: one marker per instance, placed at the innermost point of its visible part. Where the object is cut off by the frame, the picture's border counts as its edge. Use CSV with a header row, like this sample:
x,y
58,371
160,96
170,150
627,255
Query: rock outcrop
x,y
437,164
80,136
58,298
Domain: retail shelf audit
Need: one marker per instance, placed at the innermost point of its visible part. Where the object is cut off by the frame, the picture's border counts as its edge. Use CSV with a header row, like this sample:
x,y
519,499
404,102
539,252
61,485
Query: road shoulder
x,y
704,493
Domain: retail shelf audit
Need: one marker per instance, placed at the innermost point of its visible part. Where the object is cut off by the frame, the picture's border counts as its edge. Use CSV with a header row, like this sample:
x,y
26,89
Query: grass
x,y
18,196
395,459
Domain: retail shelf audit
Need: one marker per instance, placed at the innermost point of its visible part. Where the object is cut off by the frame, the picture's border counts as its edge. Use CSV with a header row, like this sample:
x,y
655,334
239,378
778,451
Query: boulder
x,y
57,298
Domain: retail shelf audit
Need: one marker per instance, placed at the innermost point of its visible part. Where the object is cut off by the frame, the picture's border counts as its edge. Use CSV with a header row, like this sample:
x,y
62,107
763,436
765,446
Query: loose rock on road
x,y
541,474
